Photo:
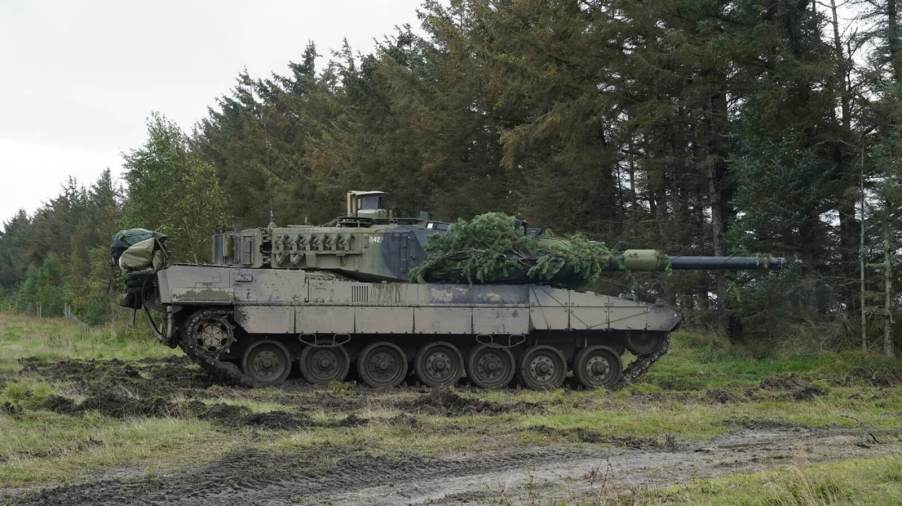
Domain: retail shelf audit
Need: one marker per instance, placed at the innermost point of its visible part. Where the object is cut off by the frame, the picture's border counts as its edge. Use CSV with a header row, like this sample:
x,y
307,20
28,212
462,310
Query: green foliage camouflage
x,y
495,248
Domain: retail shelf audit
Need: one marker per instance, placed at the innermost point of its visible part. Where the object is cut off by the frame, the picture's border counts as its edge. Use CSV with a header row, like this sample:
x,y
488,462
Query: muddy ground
x,y
341,477
595,465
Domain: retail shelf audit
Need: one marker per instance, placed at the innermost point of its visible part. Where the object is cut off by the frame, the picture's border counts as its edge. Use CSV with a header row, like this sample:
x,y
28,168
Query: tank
x,y
325,299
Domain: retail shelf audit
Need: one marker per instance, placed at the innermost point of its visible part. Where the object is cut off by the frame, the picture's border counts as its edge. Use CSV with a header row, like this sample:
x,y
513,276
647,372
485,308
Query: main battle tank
x,y
326,298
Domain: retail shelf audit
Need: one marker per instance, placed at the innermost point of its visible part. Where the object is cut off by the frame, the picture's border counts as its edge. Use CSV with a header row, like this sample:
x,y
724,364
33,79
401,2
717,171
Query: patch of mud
x,y
60,404
113,405
333,475
305,476
716,396
162,377
797,388
580,435
119,406
352,420
445,402
225,414
759,424
240,416
278,420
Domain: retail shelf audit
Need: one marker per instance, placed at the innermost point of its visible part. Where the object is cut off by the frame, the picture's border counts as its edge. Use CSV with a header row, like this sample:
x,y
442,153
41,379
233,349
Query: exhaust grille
x,y
360,294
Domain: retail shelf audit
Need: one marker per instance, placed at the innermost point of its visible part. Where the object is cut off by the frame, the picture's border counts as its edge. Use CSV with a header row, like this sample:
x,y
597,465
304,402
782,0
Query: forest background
x,y
697,127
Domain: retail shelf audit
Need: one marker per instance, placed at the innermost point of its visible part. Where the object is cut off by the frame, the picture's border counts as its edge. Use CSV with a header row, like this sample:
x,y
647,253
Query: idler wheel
x,y
382,365
209,332
491,367
439,364
267,362
644,343
543,368
324,364
598,367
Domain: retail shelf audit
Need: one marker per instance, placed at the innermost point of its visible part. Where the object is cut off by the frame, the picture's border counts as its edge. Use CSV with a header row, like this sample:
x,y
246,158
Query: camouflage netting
x,y
495,248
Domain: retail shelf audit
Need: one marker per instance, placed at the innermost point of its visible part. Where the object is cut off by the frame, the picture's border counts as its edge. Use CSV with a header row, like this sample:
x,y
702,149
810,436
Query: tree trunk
x,y
716,126
862,262
848,227
888,287
892,39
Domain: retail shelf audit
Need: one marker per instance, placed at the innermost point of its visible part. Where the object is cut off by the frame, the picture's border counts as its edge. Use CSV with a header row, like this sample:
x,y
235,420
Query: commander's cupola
x,y
367,204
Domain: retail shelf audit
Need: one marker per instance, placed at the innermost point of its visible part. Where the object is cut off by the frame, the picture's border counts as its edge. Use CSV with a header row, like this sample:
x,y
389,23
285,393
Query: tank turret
x,y
369,244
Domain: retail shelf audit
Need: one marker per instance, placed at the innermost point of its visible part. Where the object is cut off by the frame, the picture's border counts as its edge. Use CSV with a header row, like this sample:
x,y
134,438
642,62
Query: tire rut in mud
x,y
330,474
445,402
252,476
606,477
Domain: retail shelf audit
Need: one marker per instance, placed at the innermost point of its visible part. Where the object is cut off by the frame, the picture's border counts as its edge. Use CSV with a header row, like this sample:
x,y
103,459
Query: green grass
x,y
46,448
852,481
697,362
38,446
58,339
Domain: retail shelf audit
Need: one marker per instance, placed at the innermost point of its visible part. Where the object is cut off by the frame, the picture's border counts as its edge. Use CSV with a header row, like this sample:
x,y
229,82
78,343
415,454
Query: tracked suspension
x,y
191,342
640,366
222,371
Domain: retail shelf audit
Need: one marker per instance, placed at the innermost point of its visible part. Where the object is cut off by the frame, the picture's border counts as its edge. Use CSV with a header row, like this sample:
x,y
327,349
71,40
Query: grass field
x,y
110,405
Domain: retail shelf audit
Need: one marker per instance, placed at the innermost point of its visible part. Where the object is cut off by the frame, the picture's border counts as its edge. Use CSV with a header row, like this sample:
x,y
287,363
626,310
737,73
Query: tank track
x,y
637,368
224,372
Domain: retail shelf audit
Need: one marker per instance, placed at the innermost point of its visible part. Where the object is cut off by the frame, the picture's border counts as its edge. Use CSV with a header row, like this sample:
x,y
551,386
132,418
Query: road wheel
x,y
382,365
324,364
439,364
644,343
491,367
543,368
598,367
267,362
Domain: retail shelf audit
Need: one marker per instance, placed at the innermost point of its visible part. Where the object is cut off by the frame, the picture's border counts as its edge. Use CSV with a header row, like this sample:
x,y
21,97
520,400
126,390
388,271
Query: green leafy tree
x,y
171,189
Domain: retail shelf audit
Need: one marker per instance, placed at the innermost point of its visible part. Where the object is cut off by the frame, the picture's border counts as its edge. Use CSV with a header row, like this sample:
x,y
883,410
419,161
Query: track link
x,y
225,372
640,366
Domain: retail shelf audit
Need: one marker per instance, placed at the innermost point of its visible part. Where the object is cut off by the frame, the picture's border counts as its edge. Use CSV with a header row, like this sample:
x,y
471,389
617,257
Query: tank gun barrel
x,y
653,260
726,263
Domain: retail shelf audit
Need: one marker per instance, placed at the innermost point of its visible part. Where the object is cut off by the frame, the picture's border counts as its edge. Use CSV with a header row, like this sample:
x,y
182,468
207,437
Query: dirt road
x,y
543,474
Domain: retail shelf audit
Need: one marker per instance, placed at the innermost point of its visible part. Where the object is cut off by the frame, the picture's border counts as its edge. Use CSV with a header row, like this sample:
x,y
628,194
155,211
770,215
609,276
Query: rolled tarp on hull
x,y
138,249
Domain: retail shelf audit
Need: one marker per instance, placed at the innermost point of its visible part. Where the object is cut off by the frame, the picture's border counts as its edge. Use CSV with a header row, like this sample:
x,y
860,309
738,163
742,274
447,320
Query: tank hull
x,y
267,301
296,314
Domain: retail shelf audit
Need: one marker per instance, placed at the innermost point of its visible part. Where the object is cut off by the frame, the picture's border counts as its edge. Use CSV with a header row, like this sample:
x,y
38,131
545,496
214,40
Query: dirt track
x,y
253,477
